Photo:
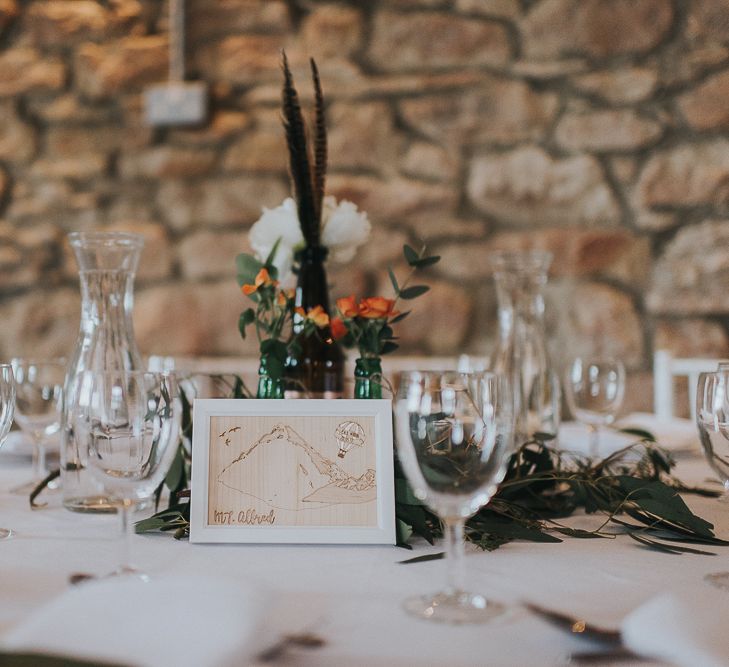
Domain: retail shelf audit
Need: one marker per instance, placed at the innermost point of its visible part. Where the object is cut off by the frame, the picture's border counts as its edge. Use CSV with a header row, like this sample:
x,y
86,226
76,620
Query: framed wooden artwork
x,y
292,471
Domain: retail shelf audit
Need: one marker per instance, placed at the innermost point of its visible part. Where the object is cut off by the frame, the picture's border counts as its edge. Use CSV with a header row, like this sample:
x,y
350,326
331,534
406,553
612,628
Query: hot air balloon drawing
x,y
349,434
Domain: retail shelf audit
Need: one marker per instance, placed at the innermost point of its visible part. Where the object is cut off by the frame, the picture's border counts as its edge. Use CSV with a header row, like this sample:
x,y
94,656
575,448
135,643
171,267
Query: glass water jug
x,y
107,263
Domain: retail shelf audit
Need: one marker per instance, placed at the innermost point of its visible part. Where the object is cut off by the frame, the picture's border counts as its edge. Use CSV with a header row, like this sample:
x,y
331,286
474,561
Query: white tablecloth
x,y
351,595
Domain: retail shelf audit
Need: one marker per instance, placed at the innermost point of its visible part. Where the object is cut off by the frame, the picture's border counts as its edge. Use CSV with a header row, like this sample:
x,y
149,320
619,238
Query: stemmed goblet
x,y
38,387
454,432
131,422
594,388
712,419
7,405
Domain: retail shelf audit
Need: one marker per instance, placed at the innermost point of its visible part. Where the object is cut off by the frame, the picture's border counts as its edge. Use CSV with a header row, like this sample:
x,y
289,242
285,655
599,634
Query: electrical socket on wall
x,y
176,103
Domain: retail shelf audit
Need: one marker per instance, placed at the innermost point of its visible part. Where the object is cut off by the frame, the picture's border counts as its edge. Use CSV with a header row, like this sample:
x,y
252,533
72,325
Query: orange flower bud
x,y
377,308
347,306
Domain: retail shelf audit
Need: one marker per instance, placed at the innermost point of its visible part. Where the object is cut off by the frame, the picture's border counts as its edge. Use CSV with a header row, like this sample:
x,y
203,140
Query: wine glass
x,y
712,419
594,389
131,423
38,390
7,405
455,432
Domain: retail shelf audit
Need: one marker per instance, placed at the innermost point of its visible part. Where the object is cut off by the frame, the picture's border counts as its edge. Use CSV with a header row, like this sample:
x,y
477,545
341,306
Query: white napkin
x,y
681,629
194,621
676,435
575,437
673,434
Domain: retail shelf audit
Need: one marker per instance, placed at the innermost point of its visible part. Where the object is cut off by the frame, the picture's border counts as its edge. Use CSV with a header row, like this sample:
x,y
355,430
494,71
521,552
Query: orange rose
x,y
318,316
347,306
262,279
339,328
377,308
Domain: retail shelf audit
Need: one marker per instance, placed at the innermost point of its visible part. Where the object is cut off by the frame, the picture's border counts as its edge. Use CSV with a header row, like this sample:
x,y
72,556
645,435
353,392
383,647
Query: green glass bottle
x,y
269,386
368,378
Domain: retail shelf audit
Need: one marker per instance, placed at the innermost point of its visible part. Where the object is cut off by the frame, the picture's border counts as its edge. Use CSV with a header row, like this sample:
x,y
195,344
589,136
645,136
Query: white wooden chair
x,y
665,369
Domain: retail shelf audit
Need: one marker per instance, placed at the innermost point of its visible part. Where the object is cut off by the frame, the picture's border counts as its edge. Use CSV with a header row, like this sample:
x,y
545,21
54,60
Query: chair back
x,y
666,367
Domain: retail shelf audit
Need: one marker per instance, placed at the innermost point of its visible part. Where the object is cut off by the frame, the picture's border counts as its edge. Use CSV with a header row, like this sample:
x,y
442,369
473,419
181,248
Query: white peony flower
x,y
277,223
344,228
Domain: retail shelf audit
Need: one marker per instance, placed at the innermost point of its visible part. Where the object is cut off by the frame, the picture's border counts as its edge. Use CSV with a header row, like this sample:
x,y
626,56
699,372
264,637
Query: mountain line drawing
x,y
308,480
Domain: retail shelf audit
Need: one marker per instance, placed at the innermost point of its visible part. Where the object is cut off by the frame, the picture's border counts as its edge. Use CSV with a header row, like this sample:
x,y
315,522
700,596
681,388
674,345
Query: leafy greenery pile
x,y
632,488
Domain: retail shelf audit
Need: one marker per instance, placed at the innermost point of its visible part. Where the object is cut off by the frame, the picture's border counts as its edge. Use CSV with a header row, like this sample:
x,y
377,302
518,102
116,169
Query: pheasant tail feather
x,y
320,141
299,163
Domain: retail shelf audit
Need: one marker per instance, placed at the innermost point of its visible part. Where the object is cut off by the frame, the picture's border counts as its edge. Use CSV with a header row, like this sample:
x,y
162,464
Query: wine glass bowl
x,y
39,388
712,419
131,424
454,435
594,389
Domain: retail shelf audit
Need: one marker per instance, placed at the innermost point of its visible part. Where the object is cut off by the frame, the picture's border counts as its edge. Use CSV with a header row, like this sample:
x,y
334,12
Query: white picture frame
x,y
309,471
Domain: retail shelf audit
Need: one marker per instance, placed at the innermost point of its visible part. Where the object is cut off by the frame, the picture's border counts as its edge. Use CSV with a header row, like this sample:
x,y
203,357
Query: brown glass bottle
x,y
316,368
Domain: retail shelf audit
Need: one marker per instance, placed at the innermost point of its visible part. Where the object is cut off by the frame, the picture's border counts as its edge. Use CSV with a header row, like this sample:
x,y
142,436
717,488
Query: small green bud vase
x,y
368,378
268,386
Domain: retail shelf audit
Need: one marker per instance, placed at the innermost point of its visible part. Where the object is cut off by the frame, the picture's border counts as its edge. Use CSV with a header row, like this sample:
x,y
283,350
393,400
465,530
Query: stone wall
x,y
597,129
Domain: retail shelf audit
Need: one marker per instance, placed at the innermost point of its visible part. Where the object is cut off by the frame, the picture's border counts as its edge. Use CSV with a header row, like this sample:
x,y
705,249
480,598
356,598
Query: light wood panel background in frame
x,y
298,471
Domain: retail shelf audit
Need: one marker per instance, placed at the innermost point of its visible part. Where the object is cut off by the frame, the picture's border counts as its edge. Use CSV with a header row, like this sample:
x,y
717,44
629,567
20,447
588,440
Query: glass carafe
x,y
521,351
107,263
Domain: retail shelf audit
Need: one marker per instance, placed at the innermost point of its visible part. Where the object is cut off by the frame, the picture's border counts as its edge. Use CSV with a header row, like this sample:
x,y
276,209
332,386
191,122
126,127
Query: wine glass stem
x,y
127,530
594,440
454,554
39,459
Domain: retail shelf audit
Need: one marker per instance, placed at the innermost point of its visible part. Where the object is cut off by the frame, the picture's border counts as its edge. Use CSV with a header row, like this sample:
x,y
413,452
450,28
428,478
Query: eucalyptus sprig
x,y
633,489
367,324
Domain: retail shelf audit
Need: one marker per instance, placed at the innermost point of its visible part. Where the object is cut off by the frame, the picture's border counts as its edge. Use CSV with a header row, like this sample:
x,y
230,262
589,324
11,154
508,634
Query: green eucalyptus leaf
x,y
386,332
639,432
247,267
400,317
668,548
663,502
418,518
176,474
393,280
411,255
271,256
425,261
422,559
577,532
246,318
652,544
388,347
413,292
511,529
404,493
